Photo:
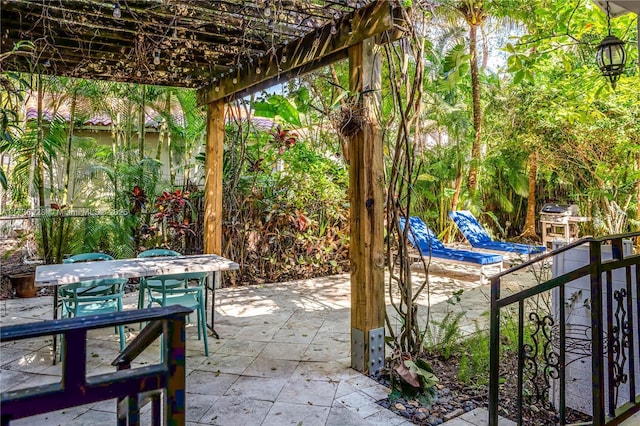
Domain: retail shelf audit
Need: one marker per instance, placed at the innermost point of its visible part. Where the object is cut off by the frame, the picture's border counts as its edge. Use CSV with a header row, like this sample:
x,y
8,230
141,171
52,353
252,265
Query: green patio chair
x,y
166,294
93,296
153,283
95,290
79,302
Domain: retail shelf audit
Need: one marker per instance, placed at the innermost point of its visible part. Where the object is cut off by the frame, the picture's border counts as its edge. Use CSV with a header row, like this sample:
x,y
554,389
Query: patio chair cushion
x,y
479,238
427,243
467,256
470,227
512,247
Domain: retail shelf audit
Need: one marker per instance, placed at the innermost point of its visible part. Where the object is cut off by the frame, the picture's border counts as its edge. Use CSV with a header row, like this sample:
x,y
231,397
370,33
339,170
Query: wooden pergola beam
x,y
206,21
198,41
355,37
70,20
305,54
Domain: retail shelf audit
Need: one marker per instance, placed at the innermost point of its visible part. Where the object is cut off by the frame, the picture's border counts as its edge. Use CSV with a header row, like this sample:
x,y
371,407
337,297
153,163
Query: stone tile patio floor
x,y
282,359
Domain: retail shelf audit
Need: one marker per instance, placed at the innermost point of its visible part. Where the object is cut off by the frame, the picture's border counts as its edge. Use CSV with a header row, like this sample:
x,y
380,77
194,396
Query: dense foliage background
x,y
512,113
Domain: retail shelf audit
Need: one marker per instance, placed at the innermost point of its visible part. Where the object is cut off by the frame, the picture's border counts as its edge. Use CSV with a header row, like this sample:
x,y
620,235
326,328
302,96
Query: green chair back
x,y
87,257
158,253
146,282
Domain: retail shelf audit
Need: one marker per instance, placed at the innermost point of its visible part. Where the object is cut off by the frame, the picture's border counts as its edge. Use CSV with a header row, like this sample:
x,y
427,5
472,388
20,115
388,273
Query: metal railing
x,y
549,350
125,384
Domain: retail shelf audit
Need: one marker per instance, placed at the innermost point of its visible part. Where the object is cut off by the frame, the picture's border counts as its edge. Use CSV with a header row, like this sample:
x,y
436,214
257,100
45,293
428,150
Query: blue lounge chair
x,y
428,244
478,237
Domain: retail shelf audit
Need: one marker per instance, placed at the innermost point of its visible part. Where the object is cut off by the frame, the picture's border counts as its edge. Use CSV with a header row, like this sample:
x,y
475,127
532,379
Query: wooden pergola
x,y
229,49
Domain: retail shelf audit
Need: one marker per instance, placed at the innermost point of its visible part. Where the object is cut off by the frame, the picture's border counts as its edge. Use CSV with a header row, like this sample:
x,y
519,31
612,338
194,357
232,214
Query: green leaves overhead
x,y
559,45
520,64
302,99
456,64
277,106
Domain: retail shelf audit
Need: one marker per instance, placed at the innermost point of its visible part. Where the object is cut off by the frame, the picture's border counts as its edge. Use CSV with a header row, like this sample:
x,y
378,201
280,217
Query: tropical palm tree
x,y
474,14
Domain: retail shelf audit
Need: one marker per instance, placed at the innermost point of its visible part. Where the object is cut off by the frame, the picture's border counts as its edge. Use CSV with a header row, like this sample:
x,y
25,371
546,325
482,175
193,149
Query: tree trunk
x,y
129,129
32,182
456,193
164,128
485,47
477,111
62,223
141,123
115,134
39,163
458,185
172,173
161,133
530,221
67,173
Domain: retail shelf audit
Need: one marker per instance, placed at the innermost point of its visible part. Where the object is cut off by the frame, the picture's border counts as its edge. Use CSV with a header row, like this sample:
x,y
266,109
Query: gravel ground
x,y
455,398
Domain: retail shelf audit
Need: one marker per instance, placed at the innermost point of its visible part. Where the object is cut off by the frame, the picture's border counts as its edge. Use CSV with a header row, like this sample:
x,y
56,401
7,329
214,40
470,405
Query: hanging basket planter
x,y
349,119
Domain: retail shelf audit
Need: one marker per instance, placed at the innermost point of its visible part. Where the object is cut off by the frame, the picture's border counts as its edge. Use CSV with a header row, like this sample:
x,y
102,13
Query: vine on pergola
x,y
184,43
406,86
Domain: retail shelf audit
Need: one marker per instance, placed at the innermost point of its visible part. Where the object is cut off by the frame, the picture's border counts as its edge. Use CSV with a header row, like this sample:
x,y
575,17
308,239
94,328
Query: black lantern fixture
x,y
611,56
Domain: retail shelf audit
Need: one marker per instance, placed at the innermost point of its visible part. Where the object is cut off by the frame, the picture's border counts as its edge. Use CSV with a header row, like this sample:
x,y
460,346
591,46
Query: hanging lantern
x,y
611,55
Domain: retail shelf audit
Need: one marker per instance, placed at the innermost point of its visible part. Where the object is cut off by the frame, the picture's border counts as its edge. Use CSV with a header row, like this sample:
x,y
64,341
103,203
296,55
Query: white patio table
x,y
70,273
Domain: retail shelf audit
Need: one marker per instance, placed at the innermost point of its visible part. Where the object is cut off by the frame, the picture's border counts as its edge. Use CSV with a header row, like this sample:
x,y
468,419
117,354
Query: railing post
x,y
175,357
494,352
125,386
74,362
634,347
127,407
619,337
597,356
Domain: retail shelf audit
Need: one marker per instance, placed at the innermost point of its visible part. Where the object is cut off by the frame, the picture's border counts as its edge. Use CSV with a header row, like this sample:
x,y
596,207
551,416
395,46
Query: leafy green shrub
x,y
443,337
412,378
475,350
286,210
474,359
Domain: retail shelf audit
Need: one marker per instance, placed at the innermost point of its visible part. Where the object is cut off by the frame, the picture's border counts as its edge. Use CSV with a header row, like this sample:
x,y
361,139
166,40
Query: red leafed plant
x,y
58,208
138,199
301,220
171,213
284,139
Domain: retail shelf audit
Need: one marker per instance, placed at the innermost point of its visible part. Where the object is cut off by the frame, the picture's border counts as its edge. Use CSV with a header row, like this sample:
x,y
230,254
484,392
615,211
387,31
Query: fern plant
x,y
443,337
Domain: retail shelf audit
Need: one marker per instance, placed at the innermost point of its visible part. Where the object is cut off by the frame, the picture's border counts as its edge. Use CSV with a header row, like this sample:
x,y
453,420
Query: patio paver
x,y
283,357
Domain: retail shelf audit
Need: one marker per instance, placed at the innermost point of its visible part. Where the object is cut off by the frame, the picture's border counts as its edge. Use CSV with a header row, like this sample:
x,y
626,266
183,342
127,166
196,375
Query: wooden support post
x,y
213,178
366,195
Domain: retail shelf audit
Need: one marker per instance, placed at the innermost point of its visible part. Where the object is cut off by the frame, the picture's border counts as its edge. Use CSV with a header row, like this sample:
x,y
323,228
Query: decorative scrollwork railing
x,y
552,345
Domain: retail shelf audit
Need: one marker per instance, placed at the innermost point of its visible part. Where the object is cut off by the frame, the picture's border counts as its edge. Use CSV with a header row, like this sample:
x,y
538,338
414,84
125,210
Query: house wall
x,y
83,187
578,327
